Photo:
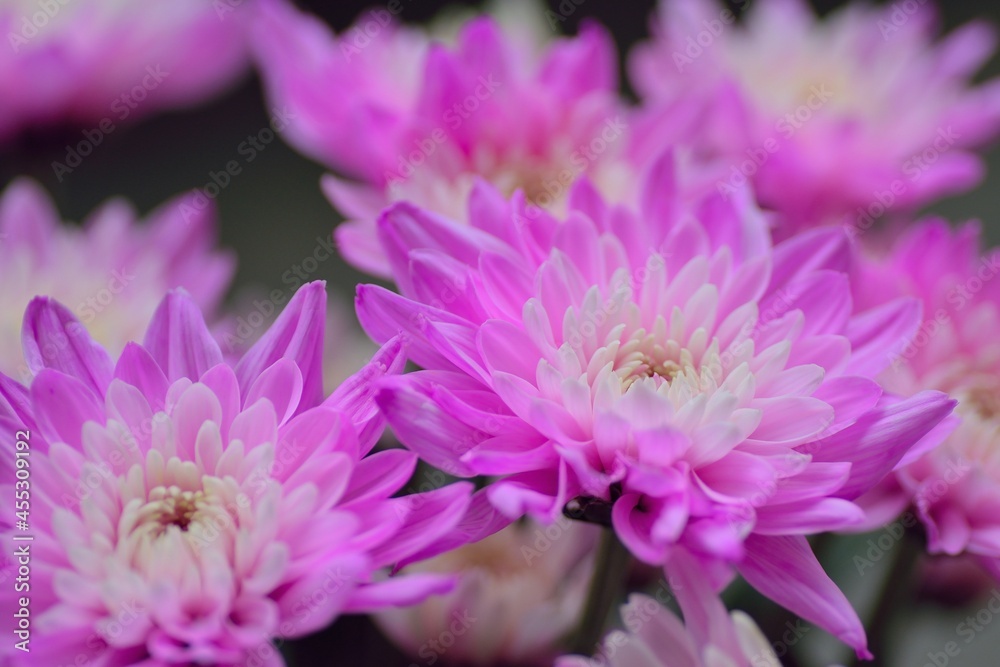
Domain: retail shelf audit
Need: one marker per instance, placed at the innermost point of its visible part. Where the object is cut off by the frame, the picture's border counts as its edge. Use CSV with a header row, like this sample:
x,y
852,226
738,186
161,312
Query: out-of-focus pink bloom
x,y
520,593
717,390
657,638
956,486
186,511
111,273
90,60
425,118
831,119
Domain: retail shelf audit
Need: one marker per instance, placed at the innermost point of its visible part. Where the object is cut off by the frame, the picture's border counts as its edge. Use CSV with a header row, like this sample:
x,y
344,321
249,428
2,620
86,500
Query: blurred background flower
x,y
101,62
520,596
111,272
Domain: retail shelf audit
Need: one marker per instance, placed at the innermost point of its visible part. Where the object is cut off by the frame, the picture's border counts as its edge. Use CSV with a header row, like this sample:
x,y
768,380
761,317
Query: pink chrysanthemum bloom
x,y
425,118
668,360
185,511
111,273
842,116
108,61
955,488
655,637
520,593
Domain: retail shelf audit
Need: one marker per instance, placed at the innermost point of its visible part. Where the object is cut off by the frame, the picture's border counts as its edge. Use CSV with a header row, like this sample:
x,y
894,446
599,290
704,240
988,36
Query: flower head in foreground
x,y
667,361
188,512
425,118
106,60
657,638
111,273
521,592
842,116
955,488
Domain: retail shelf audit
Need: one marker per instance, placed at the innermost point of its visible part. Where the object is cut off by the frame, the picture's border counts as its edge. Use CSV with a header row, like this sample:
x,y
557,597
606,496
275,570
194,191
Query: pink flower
x,y
188,512
425,118
712,393
955,487
111,273
105,60
657,638
837,118
520,593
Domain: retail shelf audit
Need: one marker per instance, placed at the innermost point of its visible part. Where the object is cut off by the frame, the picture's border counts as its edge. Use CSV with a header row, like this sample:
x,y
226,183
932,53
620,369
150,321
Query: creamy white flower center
x,y
644,357
652,355
173,507
985,402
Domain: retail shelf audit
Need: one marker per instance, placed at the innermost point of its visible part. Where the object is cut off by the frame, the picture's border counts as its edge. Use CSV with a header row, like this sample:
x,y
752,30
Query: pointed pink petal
x,y
380,475
281,383
426,518
355,397
178,340
785,570
481,520
879,334
316,430
63,404
400,591
297,334
425,428
877,441
54,338
138,368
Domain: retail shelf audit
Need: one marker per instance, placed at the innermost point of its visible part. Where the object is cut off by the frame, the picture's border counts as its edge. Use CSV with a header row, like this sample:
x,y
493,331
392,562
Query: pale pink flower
x,y
94,61
713,392
657,638
185,511
520,593
845,116
955,488
111,272
426,116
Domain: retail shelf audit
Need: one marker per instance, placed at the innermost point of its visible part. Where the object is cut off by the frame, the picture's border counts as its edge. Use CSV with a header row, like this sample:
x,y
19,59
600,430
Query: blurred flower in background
x,y
520,594
426,118
105,61
832,120
657,638
955,488
111,273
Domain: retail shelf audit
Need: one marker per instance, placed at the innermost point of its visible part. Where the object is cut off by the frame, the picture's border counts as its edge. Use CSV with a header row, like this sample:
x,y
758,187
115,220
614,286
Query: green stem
x,y
893,595
606,587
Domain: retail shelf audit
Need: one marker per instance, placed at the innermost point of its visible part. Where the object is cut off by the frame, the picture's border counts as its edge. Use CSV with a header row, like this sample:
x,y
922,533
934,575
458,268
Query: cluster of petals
x,y
111,271
845,116
189,511
428,113
955,488
715,392
96,62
